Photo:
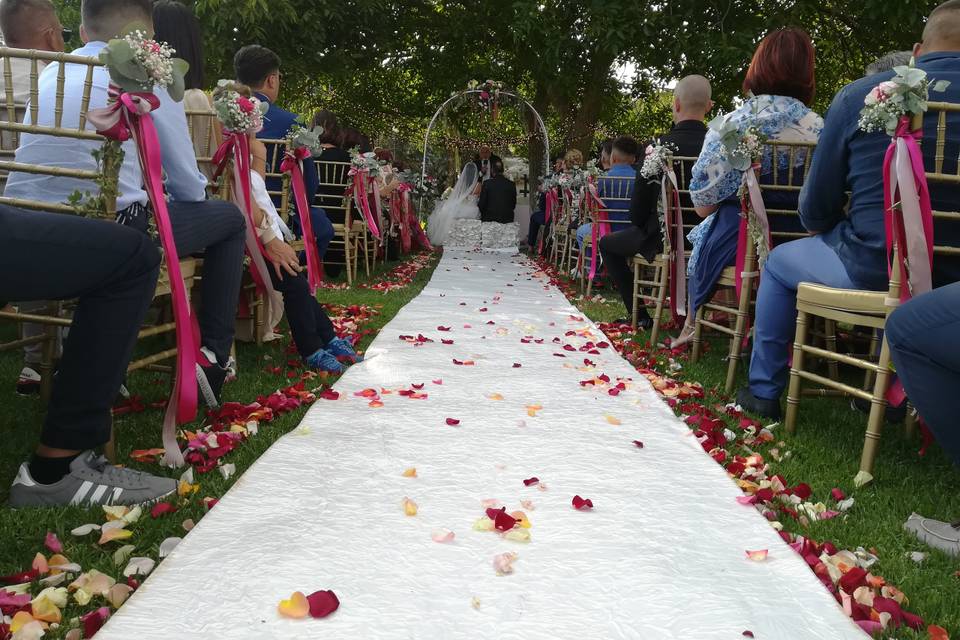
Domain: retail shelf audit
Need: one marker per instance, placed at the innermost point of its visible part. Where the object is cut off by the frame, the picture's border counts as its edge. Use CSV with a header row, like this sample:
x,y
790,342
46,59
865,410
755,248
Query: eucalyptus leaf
x,y
940,86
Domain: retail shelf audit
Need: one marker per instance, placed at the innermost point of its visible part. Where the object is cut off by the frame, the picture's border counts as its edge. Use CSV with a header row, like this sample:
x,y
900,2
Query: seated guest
x,y
922,337
888,62
498,197
176,24
606,150
213,227
27,24
313,333
780,83
112,270
259,68
332,178
573,159
351,138
622,158
691,103
848,244
538,217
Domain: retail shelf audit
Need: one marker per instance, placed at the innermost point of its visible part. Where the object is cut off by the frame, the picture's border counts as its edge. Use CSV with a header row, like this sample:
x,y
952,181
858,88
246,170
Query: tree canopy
x,y
385,65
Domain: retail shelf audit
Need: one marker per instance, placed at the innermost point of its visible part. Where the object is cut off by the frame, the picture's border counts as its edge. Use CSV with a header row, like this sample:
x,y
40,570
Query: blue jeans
x,y
582,232
922,335
804,260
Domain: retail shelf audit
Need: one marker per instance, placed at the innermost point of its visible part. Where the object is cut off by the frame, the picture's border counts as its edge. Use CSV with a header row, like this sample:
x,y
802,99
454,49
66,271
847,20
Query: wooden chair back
x,y
781,192
278,183
333,181
205,132
943,178
102,179
616,193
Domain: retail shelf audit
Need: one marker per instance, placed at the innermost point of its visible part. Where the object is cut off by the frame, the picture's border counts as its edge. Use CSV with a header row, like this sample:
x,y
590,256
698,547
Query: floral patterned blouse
x,y
780,118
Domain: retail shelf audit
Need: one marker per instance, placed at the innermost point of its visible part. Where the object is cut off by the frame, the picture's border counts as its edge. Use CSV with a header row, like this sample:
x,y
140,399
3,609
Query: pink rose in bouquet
x,y
245,104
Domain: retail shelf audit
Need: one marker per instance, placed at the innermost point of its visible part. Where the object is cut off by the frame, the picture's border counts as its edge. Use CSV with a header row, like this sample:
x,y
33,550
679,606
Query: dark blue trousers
x,y
924,339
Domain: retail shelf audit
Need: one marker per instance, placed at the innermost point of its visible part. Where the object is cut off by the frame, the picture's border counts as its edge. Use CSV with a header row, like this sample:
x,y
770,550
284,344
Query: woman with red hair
x,y
779,89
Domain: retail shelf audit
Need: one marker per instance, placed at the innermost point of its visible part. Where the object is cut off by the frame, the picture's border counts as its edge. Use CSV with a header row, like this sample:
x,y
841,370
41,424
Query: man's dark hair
x,y
175,24
253,64
606,146
626,145
14,14
106,19
496,168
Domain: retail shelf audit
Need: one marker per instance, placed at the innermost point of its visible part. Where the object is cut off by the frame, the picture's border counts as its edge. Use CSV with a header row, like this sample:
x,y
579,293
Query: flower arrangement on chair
x,y
238,113
903,95
137,65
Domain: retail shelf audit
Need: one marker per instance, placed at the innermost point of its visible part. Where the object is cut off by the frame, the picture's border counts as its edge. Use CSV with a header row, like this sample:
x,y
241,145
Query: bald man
x,y
847,250
691,103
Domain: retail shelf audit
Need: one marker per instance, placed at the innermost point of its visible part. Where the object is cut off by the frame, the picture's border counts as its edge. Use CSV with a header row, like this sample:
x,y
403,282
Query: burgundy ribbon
x,y
237,145
673,223
128,116
551,204
293,164
600,227
905,183
360,184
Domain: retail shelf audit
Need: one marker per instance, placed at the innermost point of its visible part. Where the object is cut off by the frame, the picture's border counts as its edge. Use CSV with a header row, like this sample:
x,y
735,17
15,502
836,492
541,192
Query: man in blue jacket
x,y
848,250
259,68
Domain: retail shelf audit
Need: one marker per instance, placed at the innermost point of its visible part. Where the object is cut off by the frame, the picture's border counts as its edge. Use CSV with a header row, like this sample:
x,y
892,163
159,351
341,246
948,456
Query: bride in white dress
x,y
460,204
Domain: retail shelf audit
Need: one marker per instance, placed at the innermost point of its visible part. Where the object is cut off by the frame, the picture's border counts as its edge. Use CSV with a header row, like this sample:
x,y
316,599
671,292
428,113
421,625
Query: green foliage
x,y
109,159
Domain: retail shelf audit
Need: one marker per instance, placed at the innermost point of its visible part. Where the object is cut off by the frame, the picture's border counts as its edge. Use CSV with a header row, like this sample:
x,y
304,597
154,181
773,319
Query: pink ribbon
x,y
905,182
293,164
363,202
673,223
551,204
236,144
751,206
128,116
400,208
600,227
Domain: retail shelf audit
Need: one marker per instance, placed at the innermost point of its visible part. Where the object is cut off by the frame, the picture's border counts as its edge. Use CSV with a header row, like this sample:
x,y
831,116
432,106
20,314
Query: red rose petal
x,y
501,520
443,328
748,634
517,365
452,422
161,508
417,386
442,341
530,481
837,494
614,391
52,543
438,382
582,504
638,444
322,603
329,394
94,620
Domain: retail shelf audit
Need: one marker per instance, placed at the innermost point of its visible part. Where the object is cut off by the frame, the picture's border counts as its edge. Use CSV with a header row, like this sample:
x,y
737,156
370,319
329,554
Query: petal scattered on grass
x,y
52,542
118,594
84,530
161,508
168,545
117,533
188,524
121,555
139,566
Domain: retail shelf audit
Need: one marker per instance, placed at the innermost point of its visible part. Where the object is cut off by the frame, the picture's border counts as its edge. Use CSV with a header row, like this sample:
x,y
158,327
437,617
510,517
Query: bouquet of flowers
x,y
364,162
138,64
903,95
549,182
489,94
659,155
592,170
743,147
236,112
301,137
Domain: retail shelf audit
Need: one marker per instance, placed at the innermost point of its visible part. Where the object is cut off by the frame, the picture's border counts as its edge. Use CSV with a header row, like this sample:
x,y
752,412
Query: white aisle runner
x,y
660,556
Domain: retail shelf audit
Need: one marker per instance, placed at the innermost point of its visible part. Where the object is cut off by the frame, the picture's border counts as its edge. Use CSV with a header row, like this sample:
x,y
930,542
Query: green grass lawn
x,y
22,531
825,453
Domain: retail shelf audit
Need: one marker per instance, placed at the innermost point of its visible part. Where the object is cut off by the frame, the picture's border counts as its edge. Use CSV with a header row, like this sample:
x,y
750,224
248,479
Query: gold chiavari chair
x,y
99,202
616,193
333,197
560,229
782,192
654,276
871,308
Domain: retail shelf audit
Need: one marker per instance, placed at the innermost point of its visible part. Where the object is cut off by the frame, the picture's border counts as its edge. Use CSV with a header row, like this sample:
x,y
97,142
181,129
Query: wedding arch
x,y
501,93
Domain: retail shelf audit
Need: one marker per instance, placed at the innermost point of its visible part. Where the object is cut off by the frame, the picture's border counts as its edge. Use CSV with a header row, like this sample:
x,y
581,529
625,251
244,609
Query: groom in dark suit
x,y
485,160
498,197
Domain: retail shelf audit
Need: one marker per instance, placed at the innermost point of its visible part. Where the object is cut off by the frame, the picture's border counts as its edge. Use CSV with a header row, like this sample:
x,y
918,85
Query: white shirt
x,y
20,72
183,179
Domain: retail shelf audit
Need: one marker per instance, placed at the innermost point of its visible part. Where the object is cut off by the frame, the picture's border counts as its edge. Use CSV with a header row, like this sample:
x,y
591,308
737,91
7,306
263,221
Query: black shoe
x,y
893,415
766,408
210,378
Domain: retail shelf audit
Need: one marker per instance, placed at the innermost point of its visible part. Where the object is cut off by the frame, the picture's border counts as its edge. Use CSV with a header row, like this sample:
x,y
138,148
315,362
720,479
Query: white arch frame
x,y
543,129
